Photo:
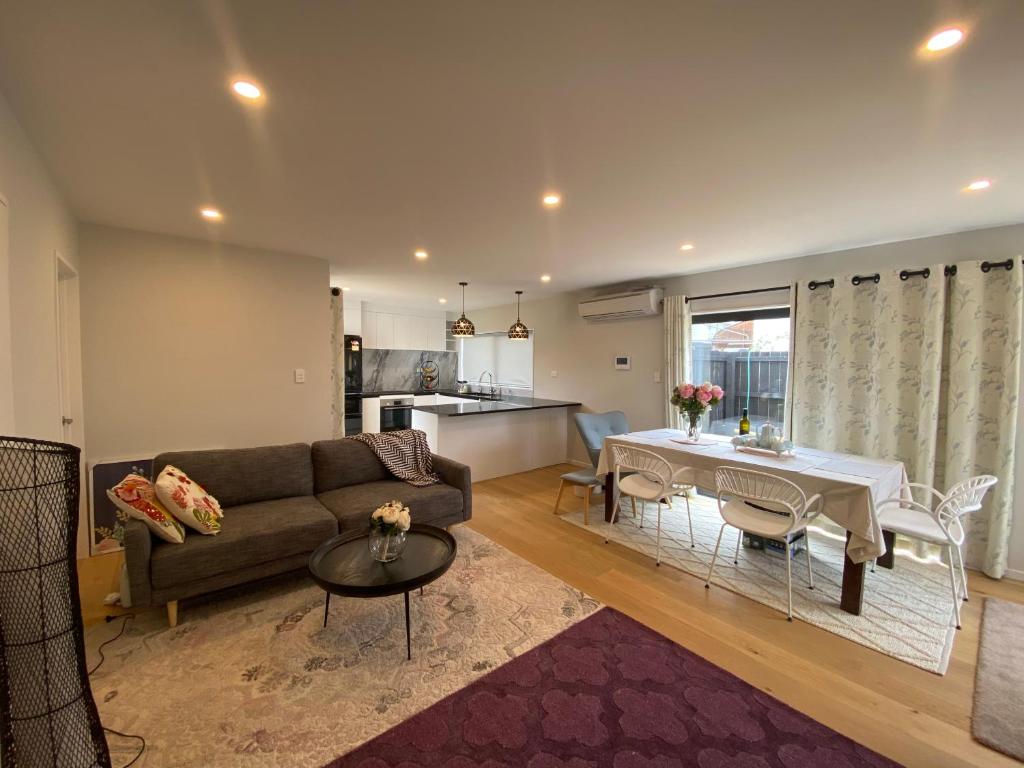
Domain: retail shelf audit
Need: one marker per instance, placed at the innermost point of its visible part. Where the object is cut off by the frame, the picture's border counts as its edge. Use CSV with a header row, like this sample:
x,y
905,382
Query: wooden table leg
x,y
408,633
852,598
888,560
610,492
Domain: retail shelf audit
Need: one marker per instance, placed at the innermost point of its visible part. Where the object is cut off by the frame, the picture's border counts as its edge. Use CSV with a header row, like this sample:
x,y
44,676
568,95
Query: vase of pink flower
x,y
693,400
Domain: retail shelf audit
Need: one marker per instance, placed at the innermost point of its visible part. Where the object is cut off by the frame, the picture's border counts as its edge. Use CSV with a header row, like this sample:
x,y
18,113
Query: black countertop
x,y
506,404
386,392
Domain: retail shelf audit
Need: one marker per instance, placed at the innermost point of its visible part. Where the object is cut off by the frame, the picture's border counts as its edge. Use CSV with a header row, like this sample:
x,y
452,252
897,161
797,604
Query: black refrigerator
x,y
353,385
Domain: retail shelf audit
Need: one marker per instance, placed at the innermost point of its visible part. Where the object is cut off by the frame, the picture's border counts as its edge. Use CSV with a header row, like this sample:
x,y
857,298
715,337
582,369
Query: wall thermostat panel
x,y
623,362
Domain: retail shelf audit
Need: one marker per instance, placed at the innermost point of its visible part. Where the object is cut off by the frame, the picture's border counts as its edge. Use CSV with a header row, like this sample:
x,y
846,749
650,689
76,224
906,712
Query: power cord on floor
x,y
129,736
124,624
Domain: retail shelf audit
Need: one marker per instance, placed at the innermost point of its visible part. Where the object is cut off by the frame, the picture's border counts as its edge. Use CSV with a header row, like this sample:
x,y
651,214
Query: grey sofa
x,y
280,503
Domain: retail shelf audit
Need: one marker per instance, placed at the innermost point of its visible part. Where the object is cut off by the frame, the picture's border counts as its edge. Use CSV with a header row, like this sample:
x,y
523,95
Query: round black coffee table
x,y
343,566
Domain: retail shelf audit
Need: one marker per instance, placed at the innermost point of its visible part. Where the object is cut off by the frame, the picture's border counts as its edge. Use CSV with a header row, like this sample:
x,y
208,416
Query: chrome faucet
x,y
490,379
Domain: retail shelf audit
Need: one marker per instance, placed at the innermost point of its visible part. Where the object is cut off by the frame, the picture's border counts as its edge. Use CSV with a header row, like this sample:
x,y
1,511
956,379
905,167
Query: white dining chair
x,y
682,483
768,506
939,521
649,479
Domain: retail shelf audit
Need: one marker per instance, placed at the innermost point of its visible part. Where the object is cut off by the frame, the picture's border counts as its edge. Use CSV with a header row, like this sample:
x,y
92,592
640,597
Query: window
x,y
747,354
509,361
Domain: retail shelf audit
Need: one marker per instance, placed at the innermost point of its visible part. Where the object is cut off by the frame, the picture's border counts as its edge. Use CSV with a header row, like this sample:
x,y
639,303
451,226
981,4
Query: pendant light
x,y
518,330
463,328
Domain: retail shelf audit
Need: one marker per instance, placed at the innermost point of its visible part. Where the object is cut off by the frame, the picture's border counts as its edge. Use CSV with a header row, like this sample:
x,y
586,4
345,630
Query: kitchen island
x,y
497,437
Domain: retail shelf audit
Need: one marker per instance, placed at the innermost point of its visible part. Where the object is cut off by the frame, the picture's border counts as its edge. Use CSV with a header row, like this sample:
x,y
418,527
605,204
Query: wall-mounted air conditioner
x,y
622,306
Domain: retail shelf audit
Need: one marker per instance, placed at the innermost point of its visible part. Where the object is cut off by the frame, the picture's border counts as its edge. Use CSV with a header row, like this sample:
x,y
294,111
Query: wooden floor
x,y
907,714
912,716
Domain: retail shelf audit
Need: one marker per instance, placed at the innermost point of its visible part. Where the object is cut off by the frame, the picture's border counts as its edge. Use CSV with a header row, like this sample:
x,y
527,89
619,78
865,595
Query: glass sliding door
x,y
747,354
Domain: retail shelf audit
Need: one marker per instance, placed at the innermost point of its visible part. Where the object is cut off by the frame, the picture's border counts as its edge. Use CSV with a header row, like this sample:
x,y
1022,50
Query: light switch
x,y
300,375
657,377
554,374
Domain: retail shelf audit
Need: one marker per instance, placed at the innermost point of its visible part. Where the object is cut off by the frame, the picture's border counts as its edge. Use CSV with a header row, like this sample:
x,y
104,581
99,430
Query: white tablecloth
x,y
850,485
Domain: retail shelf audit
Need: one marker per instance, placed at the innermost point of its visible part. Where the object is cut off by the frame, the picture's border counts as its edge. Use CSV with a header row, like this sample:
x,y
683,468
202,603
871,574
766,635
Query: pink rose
x,y
717,392
704,397
705,387
686,390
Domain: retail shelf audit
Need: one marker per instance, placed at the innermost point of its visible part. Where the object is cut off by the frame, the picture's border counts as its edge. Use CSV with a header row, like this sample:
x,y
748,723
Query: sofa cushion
x,y
432,504
136,497
237,476
255,533
339,463
188,501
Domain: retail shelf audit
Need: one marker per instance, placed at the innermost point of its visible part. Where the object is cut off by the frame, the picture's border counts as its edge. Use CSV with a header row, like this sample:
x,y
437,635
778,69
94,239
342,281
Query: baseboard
x,y
578,463
1014,574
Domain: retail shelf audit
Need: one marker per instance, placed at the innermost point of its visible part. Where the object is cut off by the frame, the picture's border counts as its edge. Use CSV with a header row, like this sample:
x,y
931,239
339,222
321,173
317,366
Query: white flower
x,y
404,519
390,515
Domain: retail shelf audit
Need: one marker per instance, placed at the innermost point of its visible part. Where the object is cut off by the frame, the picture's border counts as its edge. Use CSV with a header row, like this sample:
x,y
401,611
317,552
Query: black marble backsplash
x,y
391,370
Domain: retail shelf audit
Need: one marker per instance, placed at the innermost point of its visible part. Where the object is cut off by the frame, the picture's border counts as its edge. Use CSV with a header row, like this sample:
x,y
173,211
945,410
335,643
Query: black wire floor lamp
x,y
48,716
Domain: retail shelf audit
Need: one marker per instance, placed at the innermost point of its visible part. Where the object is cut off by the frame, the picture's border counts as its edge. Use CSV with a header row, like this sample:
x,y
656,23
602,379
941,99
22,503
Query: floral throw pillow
x,y
188,501
136,497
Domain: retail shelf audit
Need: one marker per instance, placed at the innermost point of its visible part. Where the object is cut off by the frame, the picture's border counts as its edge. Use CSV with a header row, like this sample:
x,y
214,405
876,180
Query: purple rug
x,y
610,693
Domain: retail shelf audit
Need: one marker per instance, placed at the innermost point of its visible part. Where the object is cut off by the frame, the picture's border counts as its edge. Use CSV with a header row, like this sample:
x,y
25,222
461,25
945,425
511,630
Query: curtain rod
x,y
905,274
736,293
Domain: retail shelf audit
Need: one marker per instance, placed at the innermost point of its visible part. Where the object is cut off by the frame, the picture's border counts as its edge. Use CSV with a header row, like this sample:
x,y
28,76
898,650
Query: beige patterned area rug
x,y
998,716
254,679
908,611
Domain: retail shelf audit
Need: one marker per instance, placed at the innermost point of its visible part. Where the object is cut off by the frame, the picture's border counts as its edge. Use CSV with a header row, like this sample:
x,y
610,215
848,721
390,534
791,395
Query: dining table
x,y
851,486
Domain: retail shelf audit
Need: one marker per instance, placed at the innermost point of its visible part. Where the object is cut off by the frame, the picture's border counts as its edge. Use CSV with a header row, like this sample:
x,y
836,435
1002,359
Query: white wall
x,y
581,352
39,226
582,355
190,344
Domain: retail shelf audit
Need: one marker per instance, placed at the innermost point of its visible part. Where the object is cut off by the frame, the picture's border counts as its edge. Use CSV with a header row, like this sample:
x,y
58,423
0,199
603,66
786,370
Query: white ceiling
x,y
758,130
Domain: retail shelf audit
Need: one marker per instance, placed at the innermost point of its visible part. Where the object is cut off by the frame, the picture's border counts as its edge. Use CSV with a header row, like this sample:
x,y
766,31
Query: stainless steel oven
x,y
395,413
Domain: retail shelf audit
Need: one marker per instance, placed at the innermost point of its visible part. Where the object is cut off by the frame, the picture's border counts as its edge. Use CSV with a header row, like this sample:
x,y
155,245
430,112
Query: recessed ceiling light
x,y
545,278
977,185
443,301
944,39
551,199
247,89
420,254
686,247
211,214
345,288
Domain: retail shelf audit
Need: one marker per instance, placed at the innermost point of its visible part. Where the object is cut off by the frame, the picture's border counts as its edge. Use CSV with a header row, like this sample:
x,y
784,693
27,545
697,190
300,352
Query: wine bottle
x,y
744,423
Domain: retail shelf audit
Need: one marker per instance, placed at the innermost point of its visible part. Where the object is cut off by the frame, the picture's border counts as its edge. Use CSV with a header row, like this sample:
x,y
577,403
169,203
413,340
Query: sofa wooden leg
x,y
172,614
586,505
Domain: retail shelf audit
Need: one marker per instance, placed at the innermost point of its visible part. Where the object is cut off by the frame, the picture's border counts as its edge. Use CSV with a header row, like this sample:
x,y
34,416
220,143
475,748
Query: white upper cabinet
x,y
435,336
385,330
369,330
352,321
391,328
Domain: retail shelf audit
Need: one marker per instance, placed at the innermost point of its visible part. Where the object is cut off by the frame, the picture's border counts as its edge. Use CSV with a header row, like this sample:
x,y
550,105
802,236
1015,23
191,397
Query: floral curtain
x,y
787,406
923,370
677,353
337,366
981,380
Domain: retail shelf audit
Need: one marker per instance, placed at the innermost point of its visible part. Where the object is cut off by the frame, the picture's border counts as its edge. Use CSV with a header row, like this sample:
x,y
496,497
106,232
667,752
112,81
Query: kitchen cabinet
x,y
352,321
425,399
410,332
369,324
386,328
436,336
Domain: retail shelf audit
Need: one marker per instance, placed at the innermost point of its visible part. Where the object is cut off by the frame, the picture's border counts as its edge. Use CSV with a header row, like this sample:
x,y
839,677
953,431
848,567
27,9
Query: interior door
x,y
6,364
67,314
